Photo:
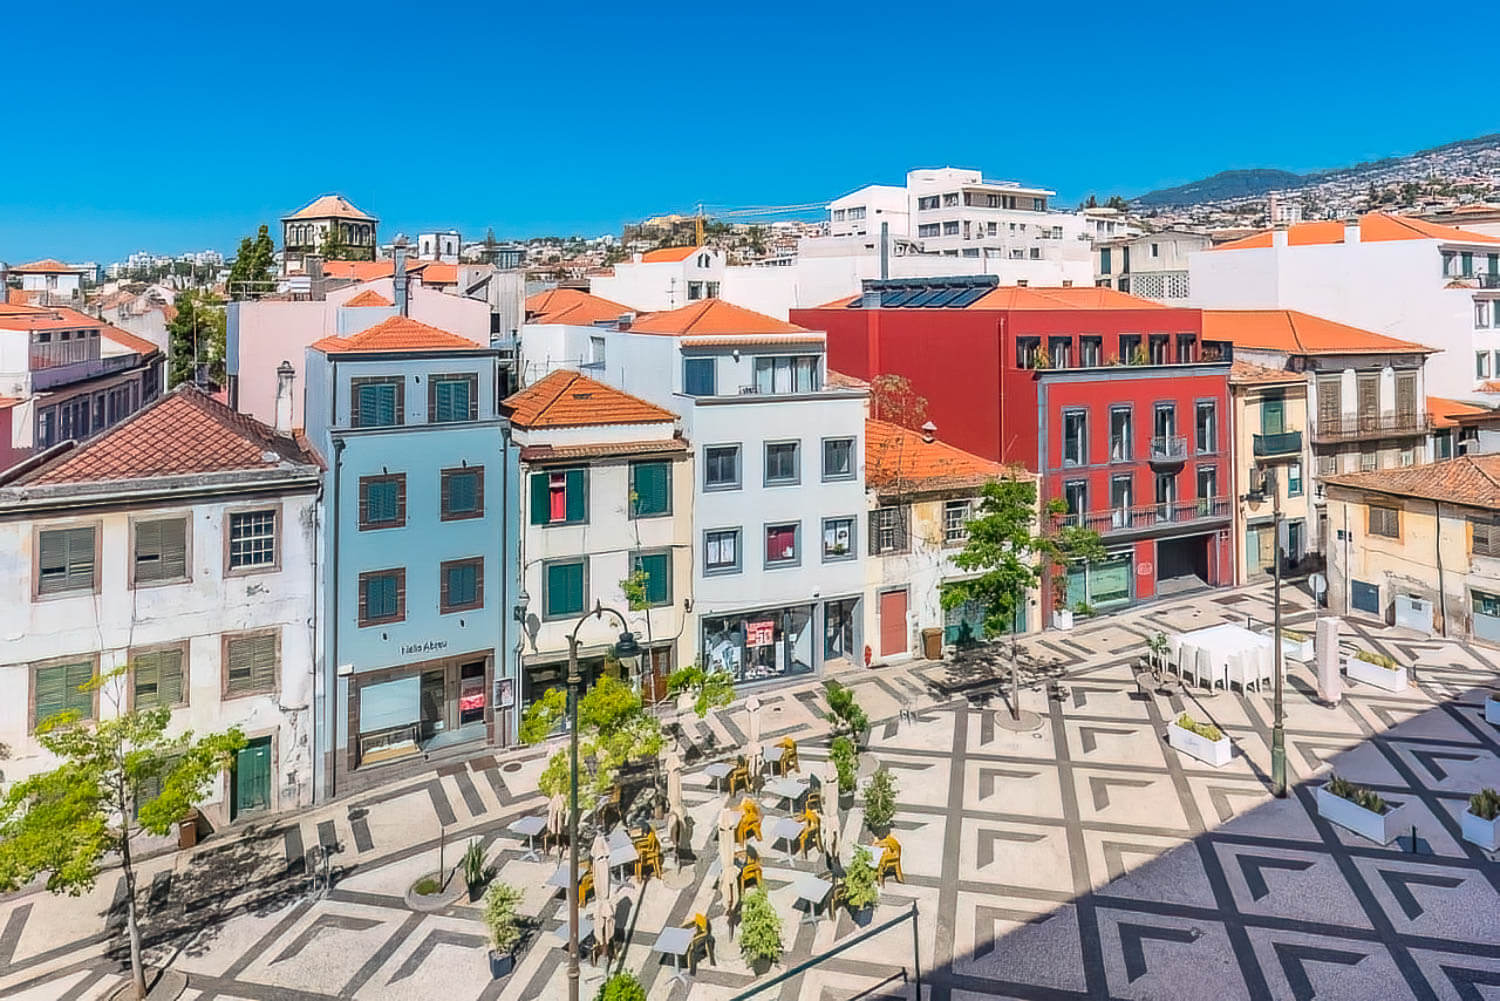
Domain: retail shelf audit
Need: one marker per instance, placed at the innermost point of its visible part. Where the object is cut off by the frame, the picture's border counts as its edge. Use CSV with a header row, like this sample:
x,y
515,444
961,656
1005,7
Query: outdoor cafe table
x,y
559,877
718,771
785,788
773,756
528,828
813,890
676,942
621,849
585,930
786,829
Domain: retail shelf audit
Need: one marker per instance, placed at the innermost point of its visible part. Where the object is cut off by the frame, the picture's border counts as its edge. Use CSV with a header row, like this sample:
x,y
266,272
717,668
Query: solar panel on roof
x,y
900,297
948,297
929,297
969,297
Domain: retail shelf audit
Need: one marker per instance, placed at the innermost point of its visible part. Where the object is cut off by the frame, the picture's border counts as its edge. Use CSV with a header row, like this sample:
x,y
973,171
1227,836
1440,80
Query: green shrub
x,y
1485,804
621,987
475,871
1360,796
860,889
846,761
1378,659
427,886
500,917
760,927
880,799
1294,635
1205,730
710,689
844,711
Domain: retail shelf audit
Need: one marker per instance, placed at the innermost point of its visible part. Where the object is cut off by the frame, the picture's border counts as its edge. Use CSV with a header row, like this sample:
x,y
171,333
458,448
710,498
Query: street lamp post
x,y
1278,724
626,649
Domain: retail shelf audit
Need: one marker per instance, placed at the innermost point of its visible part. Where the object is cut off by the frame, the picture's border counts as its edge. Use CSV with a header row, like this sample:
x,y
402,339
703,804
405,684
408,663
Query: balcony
x,y
1488,281
1350,427
1271,445
1168,450
1147,519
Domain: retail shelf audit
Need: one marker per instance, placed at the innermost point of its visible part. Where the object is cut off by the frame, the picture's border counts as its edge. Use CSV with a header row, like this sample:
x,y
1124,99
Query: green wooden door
x,y
252,777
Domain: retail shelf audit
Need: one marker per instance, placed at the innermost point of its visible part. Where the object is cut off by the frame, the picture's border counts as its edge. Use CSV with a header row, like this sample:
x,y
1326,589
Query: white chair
x,y
1265,662
1187,661
1206,669
1243,669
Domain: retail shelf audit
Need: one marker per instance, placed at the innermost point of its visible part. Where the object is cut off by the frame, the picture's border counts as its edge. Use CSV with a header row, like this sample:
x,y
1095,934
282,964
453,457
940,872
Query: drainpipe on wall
x,y
1437,552
331,695
1348,570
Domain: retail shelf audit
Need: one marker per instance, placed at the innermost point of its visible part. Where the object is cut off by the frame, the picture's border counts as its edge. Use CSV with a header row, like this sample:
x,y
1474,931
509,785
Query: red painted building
x,y
1116,401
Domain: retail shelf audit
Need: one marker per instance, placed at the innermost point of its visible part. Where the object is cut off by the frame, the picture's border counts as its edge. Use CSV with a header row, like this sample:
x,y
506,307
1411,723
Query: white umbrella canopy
x,y
753,750
557,815
727,819
604,907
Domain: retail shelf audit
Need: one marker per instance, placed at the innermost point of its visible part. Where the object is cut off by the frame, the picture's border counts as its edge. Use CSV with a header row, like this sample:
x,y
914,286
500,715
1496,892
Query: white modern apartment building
x,y
1150,265
861,213
667,278
778,491
178,546
1396,275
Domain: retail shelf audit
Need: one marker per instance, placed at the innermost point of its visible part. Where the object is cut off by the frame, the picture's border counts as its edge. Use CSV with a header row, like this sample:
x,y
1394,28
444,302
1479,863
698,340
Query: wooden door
x,y
252,777
1369,401
893,623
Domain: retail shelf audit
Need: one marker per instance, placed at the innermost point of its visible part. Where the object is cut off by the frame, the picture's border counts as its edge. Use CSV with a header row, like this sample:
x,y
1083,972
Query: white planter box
x,y
1484,833
1374,674
1215,752
1298,650
1381,828
1062,619
1492,710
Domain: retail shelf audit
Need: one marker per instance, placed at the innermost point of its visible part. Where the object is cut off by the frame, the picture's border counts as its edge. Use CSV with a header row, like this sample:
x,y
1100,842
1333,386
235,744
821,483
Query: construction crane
x,y
700,217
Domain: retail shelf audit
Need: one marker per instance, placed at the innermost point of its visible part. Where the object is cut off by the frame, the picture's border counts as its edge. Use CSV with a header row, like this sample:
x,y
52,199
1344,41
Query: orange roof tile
x,y
63,318
436,272
47,266
1444,411
713,316
397,333
330,207
600,450
362,271
666,255
1248,373
369,297
1297,333
897,456
569,399
1374,227
1471,480
184,432
128,341
6,402
571,305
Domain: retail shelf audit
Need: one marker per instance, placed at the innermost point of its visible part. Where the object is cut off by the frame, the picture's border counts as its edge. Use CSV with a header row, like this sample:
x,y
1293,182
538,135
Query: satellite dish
x,y
1319,585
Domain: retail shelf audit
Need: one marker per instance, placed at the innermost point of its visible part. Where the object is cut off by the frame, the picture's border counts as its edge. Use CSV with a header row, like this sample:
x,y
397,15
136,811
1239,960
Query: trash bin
x,y
932,644
187,830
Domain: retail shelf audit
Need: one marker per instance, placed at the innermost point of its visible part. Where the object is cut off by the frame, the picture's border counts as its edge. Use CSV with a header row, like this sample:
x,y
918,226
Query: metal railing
x,y
1282,443
1349,427
1488,281
1172,447
1149,516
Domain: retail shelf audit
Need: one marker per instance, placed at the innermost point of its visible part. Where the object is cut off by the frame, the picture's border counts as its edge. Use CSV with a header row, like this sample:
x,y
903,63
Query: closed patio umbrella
x,y
604,906
557,817
727,819
753,750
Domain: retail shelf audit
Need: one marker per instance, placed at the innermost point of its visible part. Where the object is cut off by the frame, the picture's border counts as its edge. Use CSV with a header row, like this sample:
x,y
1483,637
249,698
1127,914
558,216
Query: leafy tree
x,y
333,247
500,917
251,270
613,729
860,890
844,711
118,777
845,762
1116,202
760,927
880,799
894,401
621,987
196,335
711,689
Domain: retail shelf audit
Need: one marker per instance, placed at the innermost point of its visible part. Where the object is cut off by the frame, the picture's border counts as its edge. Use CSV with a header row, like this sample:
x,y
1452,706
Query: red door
x,y
892,623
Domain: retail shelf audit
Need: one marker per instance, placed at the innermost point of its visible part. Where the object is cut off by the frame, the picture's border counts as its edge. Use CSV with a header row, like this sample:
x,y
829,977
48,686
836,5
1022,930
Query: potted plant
x,y
1492,708
1297,645
1203,741
1481,822
504,926
621,987
1360,810
1083,609
1375,669
845,714
476,873
1062,618
861,892
760,930
698,689
880,800
1158,648
846,762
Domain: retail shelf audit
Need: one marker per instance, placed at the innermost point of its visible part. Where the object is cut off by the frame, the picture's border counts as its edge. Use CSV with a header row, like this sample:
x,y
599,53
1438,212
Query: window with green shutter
x,y
463,493
60,688
382,501
382,597
157,678
461,585
559,497
564,589
66,558
250,664
452,398
650,489
160,551
657,568
376,402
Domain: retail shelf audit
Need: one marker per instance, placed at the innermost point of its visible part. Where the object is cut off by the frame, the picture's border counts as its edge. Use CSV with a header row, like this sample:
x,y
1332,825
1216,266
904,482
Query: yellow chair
x,y
813,800
739,776
789,762
837,896
812,832
585,885
750,871
648,854
750,818
890,860
703,940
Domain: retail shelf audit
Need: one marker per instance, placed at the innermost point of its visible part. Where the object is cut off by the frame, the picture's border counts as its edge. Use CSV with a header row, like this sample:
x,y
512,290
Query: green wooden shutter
x,y
564,589
575,490
148,680
76,696
658,572
651,486
51,691
540,499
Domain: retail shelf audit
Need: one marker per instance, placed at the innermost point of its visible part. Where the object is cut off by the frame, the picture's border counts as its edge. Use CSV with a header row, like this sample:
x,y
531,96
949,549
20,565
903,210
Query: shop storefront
x,y
543,671
841,629
766,645
400,712
1102,584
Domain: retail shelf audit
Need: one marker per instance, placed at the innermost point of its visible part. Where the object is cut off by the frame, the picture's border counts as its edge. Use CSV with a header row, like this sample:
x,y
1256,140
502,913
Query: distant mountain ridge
x,y
1253,183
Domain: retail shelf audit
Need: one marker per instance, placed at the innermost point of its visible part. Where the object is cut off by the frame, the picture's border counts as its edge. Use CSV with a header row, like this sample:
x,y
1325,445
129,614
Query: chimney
x,y
929,432
885,250
285,377
1351,230
625,320
399,280
1278,237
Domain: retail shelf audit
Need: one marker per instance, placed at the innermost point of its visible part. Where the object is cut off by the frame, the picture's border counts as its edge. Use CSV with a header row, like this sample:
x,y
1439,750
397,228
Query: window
x,y
1036,253
721,551
1076,499
1208,486
382,597
1121,497
252,539
721,467
1486,537
376,402
156,678
1156,250
956,515
950,199
1120,433
1130,344
1328,464
452,398
787,374
888,530
929,229
695,291
250,663
1369,459
382,501
1026,350
1075,438
1466,264
1294,479
461,493
1481,364
1385,521
1090,352
1481,314
838,458
461,584
1449,259
1407,456
713,290
650,489
65,560
950,228
783,463
782,547
928,202
558,498
1442,444
1206,426
55,688
838,215
562,588
656,569
838,539
1060,351
698,376
990,229
1038,205
160,551
1272,415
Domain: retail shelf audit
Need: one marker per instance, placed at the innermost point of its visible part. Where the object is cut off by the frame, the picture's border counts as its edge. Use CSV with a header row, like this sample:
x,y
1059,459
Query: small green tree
x,y
119,777
860,889
333,247
500,917
710,689
621,987
845,762
197,337
254,263
760,927
844,711
880,799
613,729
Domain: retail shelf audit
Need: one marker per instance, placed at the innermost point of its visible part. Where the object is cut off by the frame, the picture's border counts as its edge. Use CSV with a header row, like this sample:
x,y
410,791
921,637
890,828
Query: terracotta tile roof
x,y
710,317
184,432
6,402
62,318
1374,227
895,455
360,271
330,207
128,341
396,333
1471,480
1248,373
47,266
549,453
436,272
667,254
734,340
1297,333
569,399
1035,297
1444,411
839,380
369,297
571,305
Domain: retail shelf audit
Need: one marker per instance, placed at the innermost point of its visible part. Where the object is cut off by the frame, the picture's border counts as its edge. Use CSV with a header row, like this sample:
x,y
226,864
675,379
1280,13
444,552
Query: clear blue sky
x,y
175,127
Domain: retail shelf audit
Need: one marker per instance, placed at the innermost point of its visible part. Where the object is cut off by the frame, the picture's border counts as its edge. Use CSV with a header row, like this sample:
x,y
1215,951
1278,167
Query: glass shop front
x,y
765,645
